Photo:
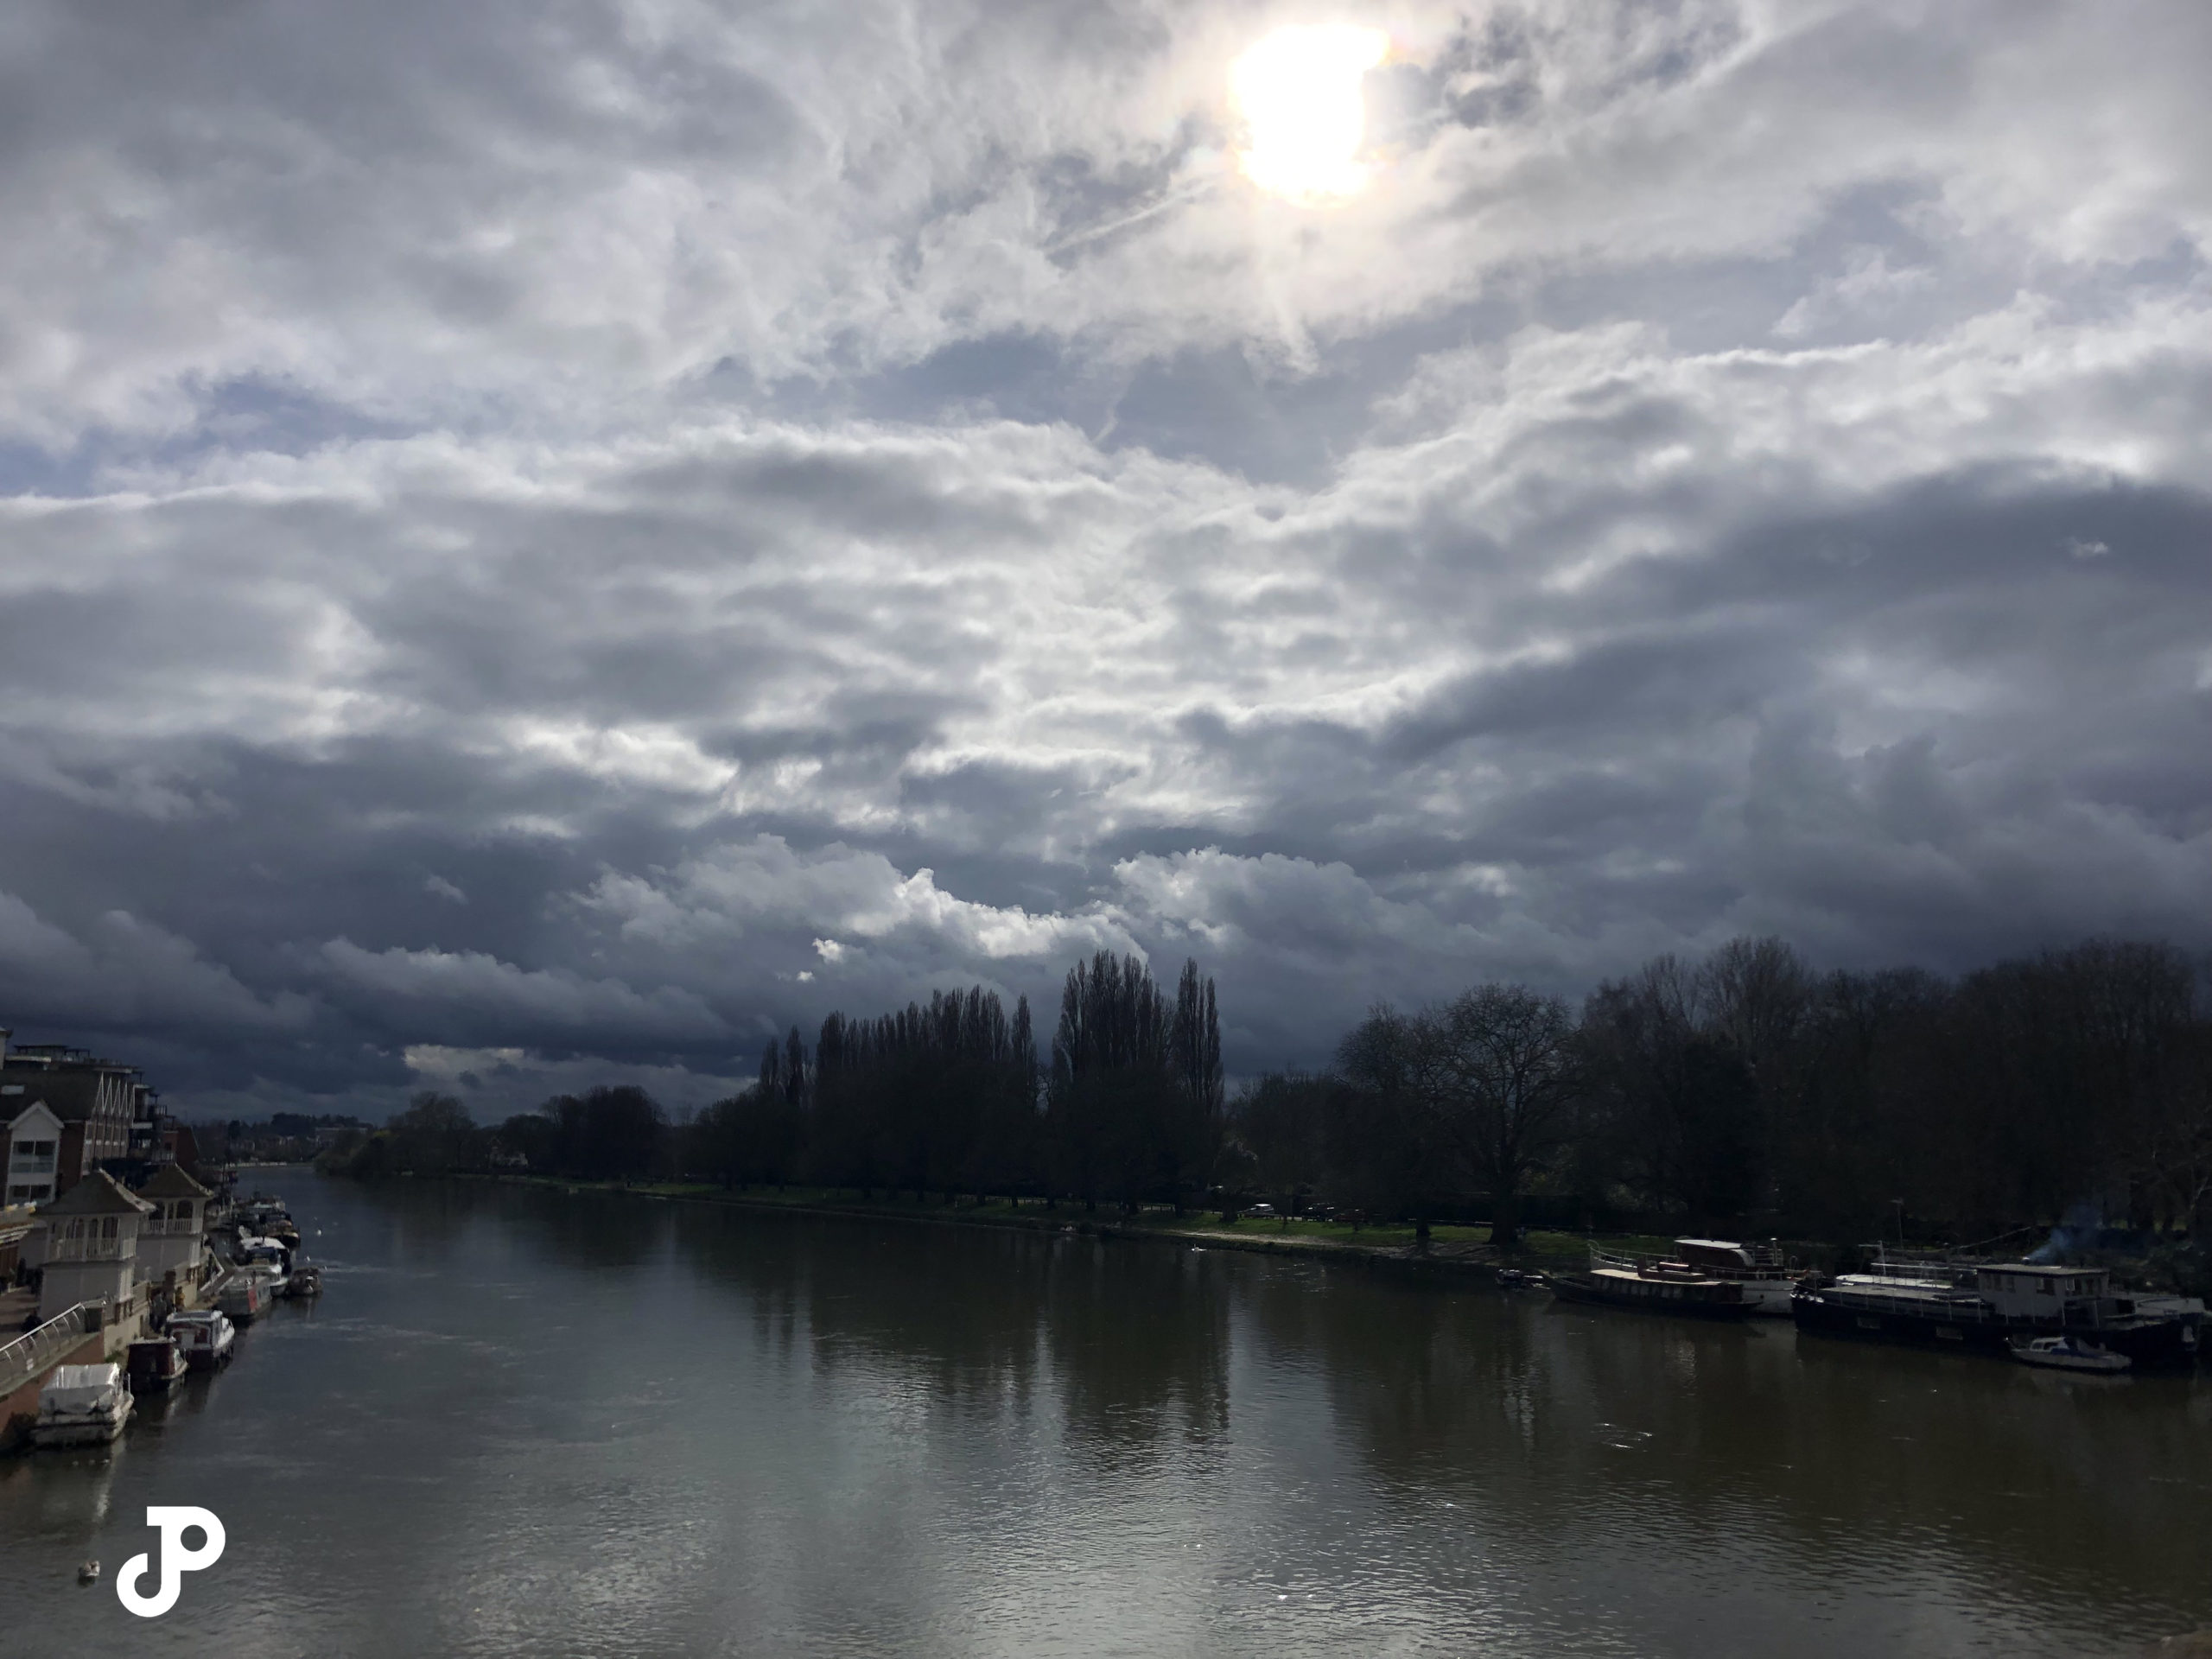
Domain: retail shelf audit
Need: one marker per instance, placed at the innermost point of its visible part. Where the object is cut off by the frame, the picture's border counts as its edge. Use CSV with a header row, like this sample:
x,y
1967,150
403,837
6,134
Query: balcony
x,y
123,1249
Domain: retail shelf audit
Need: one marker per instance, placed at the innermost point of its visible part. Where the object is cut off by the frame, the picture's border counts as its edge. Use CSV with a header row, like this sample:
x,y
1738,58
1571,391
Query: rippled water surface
x,y
526,1422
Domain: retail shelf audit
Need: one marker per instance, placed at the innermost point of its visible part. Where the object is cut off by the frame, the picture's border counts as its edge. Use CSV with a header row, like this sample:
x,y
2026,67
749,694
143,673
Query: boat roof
x,y
83,1376
1635,1278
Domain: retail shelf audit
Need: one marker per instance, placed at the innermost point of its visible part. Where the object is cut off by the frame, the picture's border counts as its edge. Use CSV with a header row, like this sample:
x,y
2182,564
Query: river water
x,y
524,1421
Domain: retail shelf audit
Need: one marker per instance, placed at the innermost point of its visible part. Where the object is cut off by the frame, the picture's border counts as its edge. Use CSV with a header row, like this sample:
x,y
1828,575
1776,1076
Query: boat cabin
x,y
2021,1290
1725,1255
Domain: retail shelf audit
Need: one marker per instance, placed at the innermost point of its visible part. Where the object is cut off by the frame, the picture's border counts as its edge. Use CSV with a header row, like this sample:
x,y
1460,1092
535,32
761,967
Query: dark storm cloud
x,y
552,544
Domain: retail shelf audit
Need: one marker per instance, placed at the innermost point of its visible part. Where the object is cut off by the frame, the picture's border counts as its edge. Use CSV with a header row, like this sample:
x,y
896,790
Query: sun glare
x,y
1297,94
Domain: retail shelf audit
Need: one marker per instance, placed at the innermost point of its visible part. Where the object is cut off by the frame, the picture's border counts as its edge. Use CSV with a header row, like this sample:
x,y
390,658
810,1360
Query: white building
x,y
87,1244
30,1145
172,1242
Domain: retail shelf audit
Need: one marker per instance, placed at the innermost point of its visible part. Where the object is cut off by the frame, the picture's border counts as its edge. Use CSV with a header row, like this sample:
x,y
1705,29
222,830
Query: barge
x,y
1765,1280
1992,1307
1672,1289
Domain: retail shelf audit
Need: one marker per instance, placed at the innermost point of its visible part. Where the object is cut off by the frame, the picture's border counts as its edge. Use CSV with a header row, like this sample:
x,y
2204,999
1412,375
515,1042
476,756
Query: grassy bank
x,y
1449,1246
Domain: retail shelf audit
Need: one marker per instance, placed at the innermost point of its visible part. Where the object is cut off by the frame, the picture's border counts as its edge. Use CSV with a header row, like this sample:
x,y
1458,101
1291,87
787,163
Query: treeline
x,y
949,1096
1745,1091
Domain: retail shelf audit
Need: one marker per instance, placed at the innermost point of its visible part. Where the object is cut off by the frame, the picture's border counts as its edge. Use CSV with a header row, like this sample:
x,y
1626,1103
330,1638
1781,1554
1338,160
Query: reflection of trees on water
x,y
1138,1336
1133,1342
956,1311
599,1232
428,1219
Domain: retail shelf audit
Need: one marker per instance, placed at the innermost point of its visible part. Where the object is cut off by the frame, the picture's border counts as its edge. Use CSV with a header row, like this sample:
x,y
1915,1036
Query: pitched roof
x,y
98,1194
170,1182
13,1112
70,1095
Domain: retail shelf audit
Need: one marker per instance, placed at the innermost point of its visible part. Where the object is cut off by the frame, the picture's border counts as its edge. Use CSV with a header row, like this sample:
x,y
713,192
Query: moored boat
x,y
2071,1354
1683,1293
152,1365
1988,1307
305,1284
204,1336
244,1298
1759,1269
82,1405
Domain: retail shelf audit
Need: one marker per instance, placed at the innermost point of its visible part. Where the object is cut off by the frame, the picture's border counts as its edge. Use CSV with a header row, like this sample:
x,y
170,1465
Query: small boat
x,y
305,1283
153,1364
204,1336
88,1571
82,1405
1520,1279
2071,1354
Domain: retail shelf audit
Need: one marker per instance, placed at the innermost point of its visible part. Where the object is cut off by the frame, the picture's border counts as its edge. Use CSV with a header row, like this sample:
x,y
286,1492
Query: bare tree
x,y
1496,1073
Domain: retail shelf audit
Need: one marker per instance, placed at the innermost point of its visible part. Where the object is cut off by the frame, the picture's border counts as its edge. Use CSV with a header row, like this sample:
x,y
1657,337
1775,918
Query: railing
x,y
32,1352
88,1249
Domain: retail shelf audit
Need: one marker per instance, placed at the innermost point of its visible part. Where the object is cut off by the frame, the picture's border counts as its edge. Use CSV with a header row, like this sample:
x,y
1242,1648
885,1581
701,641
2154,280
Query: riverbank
x,y
1452,1251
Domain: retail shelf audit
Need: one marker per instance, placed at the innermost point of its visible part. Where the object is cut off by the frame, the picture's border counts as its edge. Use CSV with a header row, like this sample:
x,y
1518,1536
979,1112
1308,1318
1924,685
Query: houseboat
x,y
1670,1288
1988,1307
82,1405
1758,1268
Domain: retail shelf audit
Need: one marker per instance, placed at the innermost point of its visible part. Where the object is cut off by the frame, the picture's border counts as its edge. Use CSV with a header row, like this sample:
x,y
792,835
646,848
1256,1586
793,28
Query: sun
x,y
1297,94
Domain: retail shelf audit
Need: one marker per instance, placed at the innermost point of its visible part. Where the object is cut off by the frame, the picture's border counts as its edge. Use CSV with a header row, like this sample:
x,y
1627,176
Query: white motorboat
x,y
204,1335
2071,1354
82,1405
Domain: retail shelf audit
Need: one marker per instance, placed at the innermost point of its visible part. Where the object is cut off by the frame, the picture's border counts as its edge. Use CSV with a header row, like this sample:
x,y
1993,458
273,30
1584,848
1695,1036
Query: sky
x,y
541,544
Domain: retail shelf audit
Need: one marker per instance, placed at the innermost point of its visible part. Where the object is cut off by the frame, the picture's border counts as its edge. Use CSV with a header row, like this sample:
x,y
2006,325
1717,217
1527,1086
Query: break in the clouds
x,y
542,543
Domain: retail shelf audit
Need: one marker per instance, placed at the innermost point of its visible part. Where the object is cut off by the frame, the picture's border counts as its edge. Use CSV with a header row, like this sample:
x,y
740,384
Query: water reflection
x,y
526,1420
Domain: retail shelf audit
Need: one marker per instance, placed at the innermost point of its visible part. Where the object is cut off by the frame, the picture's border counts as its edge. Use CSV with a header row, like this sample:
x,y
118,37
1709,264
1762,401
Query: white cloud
x,y
791,507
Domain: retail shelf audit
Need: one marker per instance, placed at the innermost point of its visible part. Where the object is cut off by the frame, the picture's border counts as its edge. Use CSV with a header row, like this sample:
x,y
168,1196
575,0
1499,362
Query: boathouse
x,y
87,1245
171,1243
